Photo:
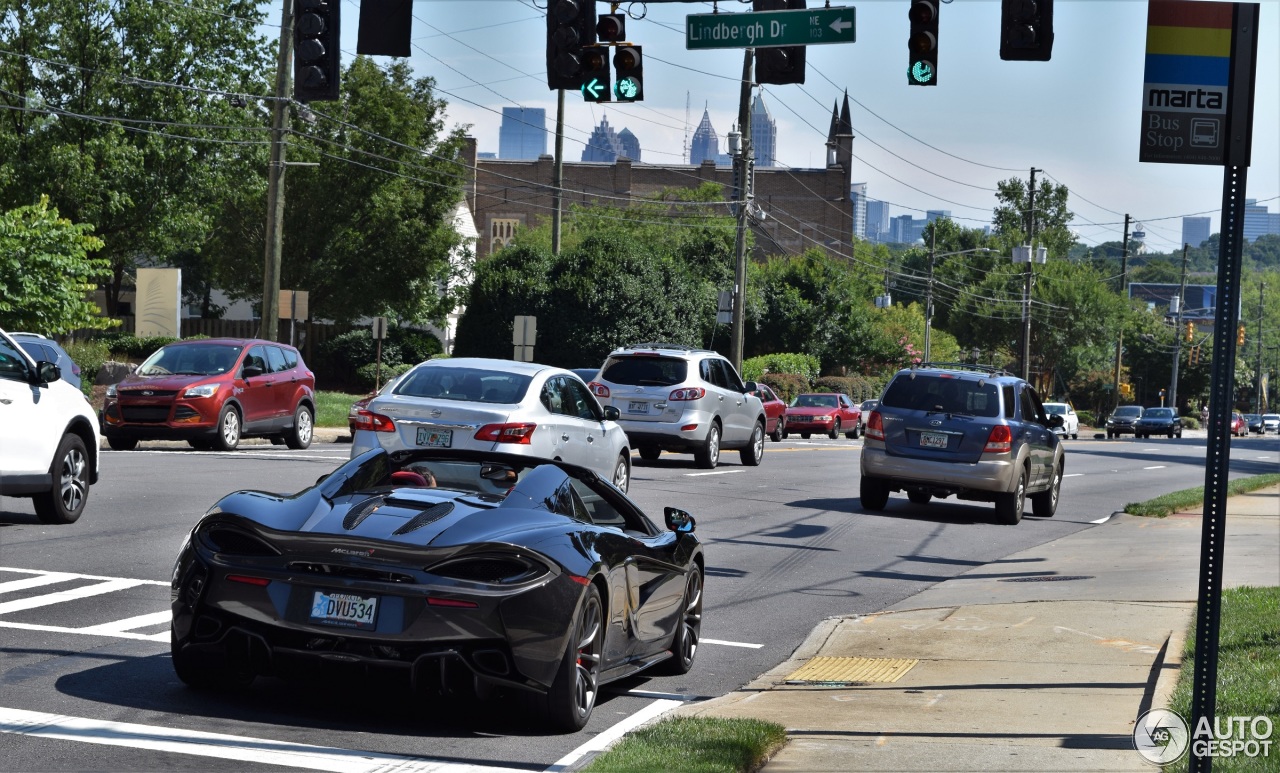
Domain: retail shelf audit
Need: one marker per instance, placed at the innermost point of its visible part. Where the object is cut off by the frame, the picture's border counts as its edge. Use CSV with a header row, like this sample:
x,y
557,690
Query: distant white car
x,y
1270,422
496,405
49,436
1070,422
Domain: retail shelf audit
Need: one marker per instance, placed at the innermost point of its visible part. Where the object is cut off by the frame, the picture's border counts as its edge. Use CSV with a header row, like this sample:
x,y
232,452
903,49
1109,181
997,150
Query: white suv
x,y
48,436
675,398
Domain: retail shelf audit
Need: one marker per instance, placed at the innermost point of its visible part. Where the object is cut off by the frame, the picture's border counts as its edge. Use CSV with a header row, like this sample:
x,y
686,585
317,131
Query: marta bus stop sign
x,y
1197,95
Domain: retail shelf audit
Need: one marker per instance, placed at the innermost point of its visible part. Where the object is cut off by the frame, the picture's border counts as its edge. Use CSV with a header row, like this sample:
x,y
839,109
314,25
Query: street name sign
x,y
769,29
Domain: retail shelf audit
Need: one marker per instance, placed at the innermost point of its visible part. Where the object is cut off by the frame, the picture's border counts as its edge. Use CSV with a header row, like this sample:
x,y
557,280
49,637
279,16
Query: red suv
x,y
211,393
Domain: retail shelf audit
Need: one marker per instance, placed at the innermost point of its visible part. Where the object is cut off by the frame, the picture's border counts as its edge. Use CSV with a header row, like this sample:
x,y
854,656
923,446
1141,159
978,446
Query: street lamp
x,y
928,296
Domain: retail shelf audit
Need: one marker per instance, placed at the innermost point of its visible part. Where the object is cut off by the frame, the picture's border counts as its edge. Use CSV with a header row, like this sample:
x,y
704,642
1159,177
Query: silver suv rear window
x,y
645,371
942,393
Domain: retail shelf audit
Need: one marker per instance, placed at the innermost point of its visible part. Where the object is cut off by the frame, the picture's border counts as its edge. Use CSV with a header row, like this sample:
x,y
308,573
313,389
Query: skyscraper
x,y
858,196
877,220
1195,230
630,145
706,143
764,133
603,145
1259,220
523,134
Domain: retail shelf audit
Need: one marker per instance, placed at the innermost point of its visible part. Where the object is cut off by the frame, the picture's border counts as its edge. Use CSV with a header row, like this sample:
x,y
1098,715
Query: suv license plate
x,y
344,609
637,406
435,438
933,440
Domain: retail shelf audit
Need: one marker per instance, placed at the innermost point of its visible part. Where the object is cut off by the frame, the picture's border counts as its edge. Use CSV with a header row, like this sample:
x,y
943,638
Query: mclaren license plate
x,y
933,440
344,609
637,406
435,438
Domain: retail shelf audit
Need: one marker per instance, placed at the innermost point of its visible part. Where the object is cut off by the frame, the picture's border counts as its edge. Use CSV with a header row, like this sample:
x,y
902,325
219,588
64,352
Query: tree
x,y
47,272
118,111
379,206
1012,223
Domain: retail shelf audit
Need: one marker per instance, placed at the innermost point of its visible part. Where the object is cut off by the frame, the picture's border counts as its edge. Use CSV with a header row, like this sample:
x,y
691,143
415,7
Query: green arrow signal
x,y
593,88
922,72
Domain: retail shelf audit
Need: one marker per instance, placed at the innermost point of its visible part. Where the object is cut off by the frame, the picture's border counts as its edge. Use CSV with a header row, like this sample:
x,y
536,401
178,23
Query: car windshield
x,y
815,401
644,371
1271,417
1056,409
191,360
1129,411
1158,413
469,384
943,393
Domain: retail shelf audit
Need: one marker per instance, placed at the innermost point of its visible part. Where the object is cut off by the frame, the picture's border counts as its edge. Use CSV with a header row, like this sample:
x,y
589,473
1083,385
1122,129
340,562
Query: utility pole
x,y
269,328
1124,286
1026,292
557,175
928,293
1177,333
1258,387
743,162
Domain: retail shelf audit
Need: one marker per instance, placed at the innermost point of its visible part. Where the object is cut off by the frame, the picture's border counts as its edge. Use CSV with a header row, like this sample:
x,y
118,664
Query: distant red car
x,y
828,412
1239,426
774,408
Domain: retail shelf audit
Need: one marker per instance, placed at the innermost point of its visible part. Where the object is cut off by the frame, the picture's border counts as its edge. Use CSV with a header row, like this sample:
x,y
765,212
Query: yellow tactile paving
x,y
827,669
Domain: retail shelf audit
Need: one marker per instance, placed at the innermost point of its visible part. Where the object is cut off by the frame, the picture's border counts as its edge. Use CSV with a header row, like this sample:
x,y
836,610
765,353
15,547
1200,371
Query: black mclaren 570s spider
x,y
459,570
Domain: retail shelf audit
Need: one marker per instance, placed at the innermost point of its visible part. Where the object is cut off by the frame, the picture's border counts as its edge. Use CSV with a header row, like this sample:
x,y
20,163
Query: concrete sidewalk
x,y
1041,661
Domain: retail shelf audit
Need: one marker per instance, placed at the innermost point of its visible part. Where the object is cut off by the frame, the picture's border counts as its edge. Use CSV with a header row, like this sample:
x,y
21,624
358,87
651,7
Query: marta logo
x,y
1161,736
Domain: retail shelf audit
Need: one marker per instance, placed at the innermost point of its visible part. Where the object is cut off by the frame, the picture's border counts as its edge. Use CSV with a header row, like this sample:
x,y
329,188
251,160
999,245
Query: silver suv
x,y
675,398
973,432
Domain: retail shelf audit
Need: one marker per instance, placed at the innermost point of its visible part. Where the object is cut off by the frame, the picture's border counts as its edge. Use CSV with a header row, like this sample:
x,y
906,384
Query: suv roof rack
x,y
660,345
990,370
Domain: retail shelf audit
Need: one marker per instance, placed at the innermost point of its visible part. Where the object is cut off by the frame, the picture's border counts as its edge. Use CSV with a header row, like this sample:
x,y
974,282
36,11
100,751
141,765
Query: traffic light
x,y
922,67
385,26
779,66
1190,332
1126,390
1026,30
611,27
595,74
571,26
1194,357
1240,335
316,63
628,62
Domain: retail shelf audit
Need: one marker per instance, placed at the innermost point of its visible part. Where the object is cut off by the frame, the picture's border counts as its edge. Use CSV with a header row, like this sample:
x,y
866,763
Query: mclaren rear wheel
x,y
567,705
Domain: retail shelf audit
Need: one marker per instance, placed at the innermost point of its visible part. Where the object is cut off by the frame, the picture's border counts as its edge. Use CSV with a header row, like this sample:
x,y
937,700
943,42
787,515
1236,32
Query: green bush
x,y
130,347
340,359
1086,418
89,355
787,385
366,375
415,345
804,365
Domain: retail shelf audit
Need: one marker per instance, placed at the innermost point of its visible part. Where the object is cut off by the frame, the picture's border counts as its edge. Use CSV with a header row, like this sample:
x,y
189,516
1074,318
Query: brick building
x,y
804,207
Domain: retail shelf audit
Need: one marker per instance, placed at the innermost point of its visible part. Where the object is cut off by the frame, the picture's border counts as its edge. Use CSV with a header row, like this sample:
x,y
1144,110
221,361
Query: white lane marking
x,y
42,572
1156,467
128,624
715,472
1073,475
36,581
670,696
1103,519
731,643
602,741
241,454
222,746
58,597
160,637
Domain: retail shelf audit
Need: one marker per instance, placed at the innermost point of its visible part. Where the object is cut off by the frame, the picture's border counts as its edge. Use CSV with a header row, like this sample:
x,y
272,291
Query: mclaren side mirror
x,y
678,520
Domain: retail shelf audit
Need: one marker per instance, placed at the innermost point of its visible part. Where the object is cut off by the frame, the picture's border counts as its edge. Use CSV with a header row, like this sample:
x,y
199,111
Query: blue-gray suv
x,y
969,431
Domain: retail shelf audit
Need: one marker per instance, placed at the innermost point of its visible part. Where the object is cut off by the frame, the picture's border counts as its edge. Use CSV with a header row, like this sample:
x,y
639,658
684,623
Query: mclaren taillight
x,y
598,389
687,393
236,542
492,569
456,603
261,582
875,426
520,434
1000,441
374,422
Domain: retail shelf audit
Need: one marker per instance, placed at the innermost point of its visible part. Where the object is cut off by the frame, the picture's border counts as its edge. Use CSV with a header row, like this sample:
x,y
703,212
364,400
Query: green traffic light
x,y
922,72
628,88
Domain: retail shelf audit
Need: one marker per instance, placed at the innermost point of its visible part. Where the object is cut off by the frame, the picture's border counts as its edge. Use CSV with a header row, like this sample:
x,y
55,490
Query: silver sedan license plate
x,y
344,609
933,440
435,438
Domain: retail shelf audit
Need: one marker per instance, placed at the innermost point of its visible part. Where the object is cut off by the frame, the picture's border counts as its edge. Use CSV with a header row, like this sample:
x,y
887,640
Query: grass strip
x,y
694,745
1189,499
1248,671
332,408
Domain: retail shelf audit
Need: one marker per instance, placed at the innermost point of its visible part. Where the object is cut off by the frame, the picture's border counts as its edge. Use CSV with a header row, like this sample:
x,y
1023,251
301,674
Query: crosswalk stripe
x,y
43,572
36,581
157,637
97,589
128,624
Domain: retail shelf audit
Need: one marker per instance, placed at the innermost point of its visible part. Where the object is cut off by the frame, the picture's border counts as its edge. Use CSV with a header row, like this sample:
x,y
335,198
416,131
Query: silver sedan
x,y
497,405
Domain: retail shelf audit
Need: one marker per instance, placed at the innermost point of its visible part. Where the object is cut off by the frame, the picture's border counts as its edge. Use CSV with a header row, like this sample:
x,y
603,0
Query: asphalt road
x,y
787,546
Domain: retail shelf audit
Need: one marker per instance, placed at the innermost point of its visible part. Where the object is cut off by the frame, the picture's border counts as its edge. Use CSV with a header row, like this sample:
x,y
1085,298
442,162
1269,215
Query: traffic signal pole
x,y
557,176
1124,286
270,325
1177,333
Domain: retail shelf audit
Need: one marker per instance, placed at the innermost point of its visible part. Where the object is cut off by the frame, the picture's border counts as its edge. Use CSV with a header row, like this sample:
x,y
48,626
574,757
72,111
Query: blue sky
x,y
1077,117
